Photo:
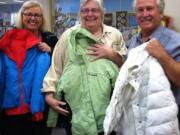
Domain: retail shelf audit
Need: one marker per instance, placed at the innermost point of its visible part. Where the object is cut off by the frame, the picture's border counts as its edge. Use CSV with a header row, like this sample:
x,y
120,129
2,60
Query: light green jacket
x,y
87,85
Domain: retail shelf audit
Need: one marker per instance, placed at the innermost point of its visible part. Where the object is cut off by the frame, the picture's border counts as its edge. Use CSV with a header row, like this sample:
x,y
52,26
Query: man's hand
x,y
170,66
155,49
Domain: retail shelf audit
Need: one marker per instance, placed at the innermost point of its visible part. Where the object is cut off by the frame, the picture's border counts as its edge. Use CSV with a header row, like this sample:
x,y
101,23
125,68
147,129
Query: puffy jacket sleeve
x,y
42,65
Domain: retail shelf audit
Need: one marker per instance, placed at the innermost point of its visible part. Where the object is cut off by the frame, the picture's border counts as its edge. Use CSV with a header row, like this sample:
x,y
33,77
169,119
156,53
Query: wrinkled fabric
x,y
142,102
86,85
22,69
110,37
170,41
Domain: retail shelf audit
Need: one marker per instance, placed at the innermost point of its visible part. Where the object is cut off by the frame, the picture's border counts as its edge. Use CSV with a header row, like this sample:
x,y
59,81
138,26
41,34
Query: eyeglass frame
x,y
30,15
92,10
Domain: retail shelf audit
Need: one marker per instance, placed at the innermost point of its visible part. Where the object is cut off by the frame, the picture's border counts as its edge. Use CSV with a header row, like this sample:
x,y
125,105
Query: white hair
x,y
160,3
100,3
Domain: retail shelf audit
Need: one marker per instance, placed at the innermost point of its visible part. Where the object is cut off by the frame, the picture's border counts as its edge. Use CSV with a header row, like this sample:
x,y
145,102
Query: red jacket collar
x,y
15,43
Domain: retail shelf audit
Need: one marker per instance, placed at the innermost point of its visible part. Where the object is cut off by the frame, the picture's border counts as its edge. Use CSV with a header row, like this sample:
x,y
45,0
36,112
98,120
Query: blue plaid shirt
x,y
170,40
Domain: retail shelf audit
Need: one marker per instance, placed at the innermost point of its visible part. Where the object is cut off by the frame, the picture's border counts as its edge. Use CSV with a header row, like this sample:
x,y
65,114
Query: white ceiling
x,y
10,1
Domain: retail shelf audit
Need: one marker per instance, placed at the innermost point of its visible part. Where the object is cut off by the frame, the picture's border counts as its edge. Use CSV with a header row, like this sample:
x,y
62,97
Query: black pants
x,y
102,133
179,115
23,125
1,122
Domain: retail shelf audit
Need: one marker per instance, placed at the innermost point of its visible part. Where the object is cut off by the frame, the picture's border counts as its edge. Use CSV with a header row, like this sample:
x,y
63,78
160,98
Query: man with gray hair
x,y
142,102
166,46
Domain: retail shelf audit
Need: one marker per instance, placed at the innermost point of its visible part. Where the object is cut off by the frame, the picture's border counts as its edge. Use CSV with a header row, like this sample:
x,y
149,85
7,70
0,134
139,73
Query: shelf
x,y
3,29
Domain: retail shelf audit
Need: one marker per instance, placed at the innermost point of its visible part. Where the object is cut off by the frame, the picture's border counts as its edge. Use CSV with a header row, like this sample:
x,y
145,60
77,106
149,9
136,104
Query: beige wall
x,y
47,8
172,8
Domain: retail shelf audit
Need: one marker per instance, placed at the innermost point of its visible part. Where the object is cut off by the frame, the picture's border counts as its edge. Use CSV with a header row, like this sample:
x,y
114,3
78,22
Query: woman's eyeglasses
x,y
87,10
30,15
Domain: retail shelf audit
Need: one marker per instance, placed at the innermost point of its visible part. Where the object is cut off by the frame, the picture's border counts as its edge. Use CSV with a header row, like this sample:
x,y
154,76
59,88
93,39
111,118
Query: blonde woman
x,y
25,58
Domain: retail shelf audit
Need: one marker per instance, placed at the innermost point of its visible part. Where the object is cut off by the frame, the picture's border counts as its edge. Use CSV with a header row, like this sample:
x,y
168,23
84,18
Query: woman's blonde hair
x,y
26,5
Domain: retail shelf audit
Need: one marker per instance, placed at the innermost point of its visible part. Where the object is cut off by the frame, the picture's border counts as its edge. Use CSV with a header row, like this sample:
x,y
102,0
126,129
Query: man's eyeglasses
x,y
31,15
87,10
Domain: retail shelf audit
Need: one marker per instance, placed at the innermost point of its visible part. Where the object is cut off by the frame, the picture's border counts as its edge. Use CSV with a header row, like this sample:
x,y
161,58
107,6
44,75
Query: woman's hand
x,y
101,51
44,47
106,52
56,104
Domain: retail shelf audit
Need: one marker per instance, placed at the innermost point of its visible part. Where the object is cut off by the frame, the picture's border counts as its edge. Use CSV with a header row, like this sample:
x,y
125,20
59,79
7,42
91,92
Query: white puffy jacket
x,y
142,102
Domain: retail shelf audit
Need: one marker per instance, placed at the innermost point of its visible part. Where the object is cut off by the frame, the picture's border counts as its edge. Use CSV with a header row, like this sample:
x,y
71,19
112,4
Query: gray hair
x,y
26,5
100,3
160,3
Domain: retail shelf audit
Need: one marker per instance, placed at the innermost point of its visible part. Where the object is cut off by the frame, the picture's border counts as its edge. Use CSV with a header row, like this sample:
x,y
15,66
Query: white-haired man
x,y
142,102
166,46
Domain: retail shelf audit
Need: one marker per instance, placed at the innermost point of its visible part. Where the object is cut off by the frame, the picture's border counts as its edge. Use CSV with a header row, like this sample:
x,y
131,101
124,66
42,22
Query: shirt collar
x,y
105,30
156,34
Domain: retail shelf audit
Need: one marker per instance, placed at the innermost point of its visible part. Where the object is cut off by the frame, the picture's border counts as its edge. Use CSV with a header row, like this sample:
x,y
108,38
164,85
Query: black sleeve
x,y
50,39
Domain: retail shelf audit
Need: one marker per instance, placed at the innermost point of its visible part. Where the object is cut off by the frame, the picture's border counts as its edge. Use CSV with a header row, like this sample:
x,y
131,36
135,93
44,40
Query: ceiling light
x,y
2,2
20,1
